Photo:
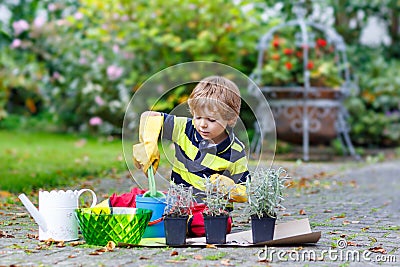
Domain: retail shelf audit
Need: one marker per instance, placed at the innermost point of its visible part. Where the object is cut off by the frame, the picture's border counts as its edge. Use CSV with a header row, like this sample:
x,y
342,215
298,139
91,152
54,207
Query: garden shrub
x,y
375,113
98,52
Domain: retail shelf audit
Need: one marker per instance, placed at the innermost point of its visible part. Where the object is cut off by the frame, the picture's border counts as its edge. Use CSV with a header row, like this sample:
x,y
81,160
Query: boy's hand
x,y
146,152
227,185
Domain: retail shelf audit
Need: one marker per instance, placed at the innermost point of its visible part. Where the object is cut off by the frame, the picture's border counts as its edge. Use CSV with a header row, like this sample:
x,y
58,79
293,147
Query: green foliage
x,y
37,160
19,88
264,191
42,122
217,196
375,114
95,54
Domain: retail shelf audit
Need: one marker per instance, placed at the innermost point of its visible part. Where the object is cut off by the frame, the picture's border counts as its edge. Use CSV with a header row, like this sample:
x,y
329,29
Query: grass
x,y
29,161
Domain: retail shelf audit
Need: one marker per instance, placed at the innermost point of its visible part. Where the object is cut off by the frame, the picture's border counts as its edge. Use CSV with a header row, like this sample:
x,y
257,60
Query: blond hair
x,y
219,94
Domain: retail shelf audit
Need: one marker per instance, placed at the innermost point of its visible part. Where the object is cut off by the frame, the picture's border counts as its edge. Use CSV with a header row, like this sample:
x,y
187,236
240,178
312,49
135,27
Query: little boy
x,y
204,145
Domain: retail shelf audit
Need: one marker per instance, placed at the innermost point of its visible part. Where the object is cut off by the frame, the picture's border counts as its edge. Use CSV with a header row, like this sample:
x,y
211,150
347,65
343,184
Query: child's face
x,y
210,125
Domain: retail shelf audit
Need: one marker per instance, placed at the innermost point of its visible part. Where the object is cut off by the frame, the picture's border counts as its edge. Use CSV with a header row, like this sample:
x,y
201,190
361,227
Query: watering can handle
x,y
94,198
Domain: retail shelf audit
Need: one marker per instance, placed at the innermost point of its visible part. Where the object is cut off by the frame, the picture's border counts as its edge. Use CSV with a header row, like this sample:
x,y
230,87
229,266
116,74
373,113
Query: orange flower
x,y
288,65
287,51
275,57
275,42
310,65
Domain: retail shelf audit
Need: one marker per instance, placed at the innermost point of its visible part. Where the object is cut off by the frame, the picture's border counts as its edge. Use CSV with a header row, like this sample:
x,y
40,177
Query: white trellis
x,y
314,110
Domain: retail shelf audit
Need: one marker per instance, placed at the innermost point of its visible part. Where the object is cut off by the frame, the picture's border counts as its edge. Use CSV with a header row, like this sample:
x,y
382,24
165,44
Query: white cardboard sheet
x,y
286,233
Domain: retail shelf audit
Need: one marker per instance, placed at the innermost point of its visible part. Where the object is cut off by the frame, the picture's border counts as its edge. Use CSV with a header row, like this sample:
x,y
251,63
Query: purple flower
x,y
99,101
20,26
100,59
16,43
82,61
39,22
128,55
78,16
115,49
95,121
56,75
114,72
51,7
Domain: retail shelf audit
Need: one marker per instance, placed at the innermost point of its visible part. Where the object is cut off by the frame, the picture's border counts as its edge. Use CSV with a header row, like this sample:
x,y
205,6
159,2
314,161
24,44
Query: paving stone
x,y
367,195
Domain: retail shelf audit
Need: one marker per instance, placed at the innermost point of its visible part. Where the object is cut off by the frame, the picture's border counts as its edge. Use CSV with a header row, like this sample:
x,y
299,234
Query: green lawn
x,y
44,160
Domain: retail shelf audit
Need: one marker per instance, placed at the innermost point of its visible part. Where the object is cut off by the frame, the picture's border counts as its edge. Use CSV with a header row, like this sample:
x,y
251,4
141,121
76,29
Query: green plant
x,y
179,200
264,191
96,53
284,62
216,198
375,114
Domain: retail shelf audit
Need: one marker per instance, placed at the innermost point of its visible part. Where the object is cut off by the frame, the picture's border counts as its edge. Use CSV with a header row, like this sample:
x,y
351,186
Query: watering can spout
x,y
33,211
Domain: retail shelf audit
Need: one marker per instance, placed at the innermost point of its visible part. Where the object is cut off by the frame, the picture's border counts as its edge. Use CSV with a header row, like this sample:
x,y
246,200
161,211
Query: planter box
x,y
262,229
215,228
175,230
322,105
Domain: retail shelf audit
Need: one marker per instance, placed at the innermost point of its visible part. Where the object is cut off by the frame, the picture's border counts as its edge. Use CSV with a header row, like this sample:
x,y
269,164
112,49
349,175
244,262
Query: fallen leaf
x,y
373,239
102,250
143,258
338,217
353,244
353,183
343,235
49,241
364,229
71,256
110,246
286,214
302,182
345,222
333,232
327,211
211,246
95,253
3,234
226,262
4,194
264,260
60,244
378,250
32,236
198,257
76,243
302,212
174,253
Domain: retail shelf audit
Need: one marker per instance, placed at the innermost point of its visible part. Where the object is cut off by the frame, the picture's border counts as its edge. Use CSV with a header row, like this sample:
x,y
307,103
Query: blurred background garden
x,y
68,69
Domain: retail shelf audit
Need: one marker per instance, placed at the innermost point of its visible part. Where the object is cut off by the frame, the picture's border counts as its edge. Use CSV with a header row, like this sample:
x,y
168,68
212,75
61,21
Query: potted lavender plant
x,y
216,214
264,192
176,214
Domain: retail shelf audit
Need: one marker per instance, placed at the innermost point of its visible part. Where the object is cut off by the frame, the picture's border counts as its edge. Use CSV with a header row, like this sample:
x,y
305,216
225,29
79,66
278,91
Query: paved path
x,y
356,202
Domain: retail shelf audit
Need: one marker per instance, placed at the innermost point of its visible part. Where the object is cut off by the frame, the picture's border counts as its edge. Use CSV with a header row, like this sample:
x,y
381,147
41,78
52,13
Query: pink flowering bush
x,y
93,56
